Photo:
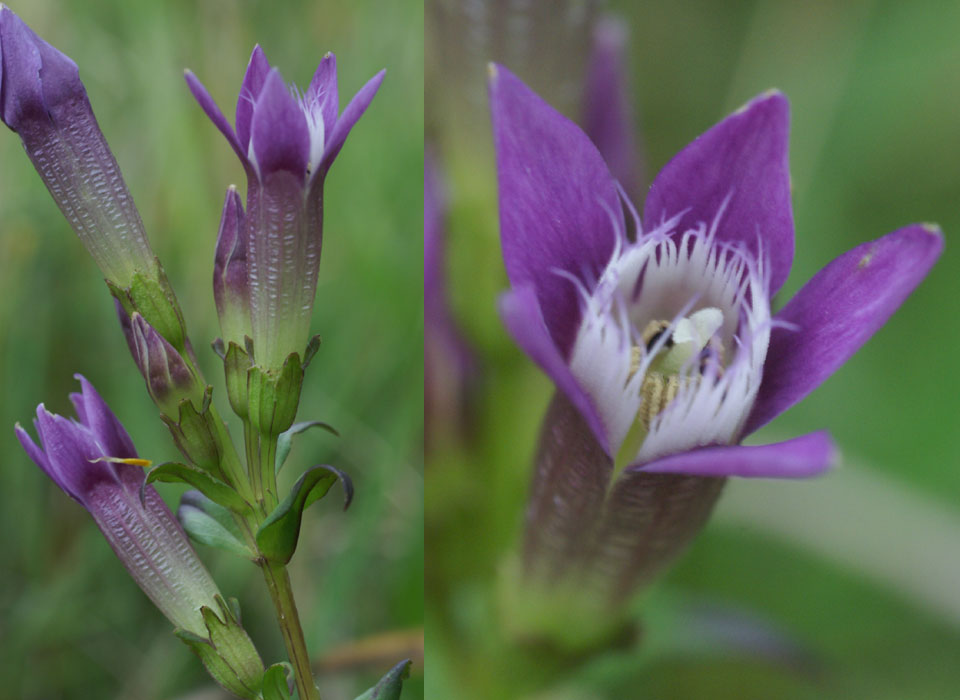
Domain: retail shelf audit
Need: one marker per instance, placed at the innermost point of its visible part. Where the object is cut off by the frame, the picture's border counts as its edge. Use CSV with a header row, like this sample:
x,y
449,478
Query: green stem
x,y
278,581
268,470
251,441
229,459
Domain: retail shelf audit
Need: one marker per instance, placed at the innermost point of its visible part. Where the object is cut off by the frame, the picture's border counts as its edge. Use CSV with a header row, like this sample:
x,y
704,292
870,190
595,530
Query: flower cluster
x,y
265,277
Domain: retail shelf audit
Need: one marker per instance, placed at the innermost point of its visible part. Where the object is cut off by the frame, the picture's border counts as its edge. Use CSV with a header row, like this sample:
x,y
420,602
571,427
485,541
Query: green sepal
x,y
195,434
389,687
311,350
155,301
276,683
122,295
214,489
235,609
278,535
273,395
236,363
285,440
228,654
211,524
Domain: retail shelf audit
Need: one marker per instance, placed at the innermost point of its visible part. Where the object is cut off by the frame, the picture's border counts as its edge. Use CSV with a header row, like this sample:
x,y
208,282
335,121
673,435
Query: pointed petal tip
x,y
772,98
932,228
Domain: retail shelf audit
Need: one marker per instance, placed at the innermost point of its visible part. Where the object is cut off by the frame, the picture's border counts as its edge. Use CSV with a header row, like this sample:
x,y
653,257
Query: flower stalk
x,y
281,592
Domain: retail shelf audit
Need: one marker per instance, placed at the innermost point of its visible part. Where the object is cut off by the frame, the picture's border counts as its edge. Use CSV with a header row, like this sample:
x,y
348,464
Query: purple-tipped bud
x,y
607,113
93,460
168,376
231,290
450,369
43,100
286,142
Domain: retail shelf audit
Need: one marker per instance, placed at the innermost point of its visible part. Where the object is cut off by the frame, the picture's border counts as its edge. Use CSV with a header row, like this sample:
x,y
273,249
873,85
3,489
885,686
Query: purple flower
x,y
43,100
93,460
286,141
663,345
450,370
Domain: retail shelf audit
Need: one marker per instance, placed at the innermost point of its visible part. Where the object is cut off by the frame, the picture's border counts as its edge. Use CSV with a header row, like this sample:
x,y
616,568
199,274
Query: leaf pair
x,y
278,535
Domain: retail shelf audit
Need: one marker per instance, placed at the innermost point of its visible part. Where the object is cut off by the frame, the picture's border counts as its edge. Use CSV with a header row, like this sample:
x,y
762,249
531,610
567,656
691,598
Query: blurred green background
x,y
859,571
72,624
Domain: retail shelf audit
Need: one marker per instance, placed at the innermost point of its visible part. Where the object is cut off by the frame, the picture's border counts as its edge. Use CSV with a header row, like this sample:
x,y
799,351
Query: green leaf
x,y
390,686
275,683
228,654
212,525
214,489
285,440
311,350
278,535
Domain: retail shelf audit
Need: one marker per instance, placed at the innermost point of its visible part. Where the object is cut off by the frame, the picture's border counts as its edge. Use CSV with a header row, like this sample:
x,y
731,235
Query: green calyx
x,y
196,436
273,395
236,363
227,652
152,297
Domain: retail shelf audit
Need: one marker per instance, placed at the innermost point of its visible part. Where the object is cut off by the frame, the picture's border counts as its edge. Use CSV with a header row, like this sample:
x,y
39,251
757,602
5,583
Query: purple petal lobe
x,y
36,454
257,70
70,449
522,316
837,311
216,116
358,105
799,458
279,134
559,207
744,157
25,55
102,422
322,93
607,114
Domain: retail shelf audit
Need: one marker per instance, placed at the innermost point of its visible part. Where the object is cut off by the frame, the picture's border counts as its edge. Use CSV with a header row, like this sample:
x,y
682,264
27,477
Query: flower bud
x,y
231,290
43,100
168,376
